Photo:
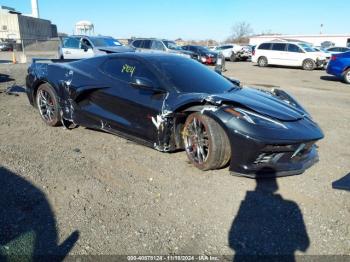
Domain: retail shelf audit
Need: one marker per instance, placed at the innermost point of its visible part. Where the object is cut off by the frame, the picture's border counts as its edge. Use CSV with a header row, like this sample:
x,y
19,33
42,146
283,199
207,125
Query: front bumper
x,y
273,159
321,63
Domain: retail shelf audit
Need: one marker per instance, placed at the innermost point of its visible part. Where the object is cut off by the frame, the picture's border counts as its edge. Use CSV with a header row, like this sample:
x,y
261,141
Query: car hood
x,y
116,49
260,102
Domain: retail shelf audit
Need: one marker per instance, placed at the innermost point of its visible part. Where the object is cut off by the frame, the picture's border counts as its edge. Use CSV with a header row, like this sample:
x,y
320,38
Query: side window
x,y
71,42
265,46
157,45
87,43
136,43
279,47
146,44
294,48
185,47
125,69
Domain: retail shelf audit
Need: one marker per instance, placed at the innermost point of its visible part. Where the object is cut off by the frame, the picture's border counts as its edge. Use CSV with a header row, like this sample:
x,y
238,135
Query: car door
x,y
295,55
278,54
124,108
87,47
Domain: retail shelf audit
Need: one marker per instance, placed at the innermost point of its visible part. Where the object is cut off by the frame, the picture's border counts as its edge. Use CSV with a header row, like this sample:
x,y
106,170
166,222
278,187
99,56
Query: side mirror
x,y
145,83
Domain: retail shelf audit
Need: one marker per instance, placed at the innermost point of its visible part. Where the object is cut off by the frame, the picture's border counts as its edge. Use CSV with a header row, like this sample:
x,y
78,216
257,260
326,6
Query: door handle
x,y
67,53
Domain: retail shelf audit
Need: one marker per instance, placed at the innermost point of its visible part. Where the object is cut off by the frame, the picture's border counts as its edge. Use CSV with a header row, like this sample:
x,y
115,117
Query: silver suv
x,y
161,45
79,46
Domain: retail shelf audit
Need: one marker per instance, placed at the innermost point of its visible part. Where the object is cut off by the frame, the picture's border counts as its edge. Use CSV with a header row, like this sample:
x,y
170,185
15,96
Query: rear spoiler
x,y
35,60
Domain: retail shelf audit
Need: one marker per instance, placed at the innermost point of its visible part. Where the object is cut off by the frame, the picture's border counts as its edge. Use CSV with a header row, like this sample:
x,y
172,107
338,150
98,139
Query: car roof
x,y
159,39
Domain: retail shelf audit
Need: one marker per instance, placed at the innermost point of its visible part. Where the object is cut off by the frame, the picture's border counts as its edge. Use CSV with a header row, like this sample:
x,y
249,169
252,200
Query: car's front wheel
x,y
347,76
47,103
262,61
206,143
309,64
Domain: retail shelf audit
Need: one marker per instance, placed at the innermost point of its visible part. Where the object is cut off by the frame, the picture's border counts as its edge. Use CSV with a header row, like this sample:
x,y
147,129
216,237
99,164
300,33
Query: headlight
x,y
254,118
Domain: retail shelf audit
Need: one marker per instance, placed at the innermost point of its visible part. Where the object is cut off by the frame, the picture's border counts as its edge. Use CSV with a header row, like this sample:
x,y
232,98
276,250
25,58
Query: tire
x,y
233,57
206,143
346,76
47,103
309,64
262,61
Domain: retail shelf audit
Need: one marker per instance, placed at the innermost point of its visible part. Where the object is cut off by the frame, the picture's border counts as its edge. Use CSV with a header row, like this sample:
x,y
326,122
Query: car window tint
x,y
187,75
86,42
71,42
136,43
146,44
279,47
125,69
265,46
293,48
157,45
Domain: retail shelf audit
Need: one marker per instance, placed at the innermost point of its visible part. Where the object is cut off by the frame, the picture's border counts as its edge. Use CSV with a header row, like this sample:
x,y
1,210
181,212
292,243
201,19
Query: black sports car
x,y
170,102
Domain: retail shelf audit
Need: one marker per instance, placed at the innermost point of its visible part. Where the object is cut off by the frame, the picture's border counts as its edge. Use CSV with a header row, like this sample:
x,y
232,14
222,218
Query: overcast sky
x,y
193,19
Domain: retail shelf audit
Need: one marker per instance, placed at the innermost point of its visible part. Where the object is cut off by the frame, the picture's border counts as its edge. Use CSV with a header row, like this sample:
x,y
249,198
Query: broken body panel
x,y
89,97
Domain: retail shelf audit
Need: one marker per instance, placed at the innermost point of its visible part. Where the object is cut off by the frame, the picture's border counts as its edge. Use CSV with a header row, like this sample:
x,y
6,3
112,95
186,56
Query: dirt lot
x,y
124,198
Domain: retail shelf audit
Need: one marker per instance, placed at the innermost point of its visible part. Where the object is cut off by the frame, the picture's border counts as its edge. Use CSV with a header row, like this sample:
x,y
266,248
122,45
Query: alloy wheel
x,y
197,141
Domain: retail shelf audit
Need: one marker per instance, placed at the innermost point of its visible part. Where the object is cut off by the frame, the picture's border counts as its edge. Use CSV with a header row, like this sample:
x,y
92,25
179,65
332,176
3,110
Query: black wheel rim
x,y
46,105
197,141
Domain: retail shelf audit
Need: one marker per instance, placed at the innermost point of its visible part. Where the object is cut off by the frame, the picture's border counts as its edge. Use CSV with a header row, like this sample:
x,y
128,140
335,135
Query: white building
x,y
317,40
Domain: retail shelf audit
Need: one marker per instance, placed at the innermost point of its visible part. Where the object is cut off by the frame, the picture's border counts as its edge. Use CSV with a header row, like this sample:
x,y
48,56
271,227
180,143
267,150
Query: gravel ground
x,y
102,194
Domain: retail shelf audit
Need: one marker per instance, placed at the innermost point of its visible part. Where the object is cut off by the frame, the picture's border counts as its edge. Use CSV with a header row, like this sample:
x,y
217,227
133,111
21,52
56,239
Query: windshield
x,y
172,45
189,76
203,49
105,42
308,48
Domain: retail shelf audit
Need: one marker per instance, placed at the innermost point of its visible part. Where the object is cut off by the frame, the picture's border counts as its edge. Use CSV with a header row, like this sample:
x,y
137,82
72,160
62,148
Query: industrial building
x,y
317,40
14,25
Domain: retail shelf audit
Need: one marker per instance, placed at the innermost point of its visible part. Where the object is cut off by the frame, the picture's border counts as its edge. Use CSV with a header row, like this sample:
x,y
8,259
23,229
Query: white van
x,y
296,54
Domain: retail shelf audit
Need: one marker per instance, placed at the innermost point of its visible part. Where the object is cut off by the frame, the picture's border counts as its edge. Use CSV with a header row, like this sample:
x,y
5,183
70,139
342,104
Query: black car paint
x,y
89,97
200,52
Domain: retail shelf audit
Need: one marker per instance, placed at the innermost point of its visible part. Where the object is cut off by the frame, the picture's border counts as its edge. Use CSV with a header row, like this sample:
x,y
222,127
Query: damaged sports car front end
x,y
170,103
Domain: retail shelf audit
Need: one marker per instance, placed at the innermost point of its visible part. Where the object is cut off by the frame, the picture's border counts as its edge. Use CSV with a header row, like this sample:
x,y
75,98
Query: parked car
x,y
337,50
4,46
161,45
295,54
233,52
79,47
205,56
169,103
324,51
339,66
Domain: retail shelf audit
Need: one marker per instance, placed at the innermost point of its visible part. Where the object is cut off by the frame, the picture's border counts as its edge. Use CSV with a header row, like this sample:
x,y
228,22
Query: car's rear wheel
x,y
347,76
47,103
206,143
309,64
262,61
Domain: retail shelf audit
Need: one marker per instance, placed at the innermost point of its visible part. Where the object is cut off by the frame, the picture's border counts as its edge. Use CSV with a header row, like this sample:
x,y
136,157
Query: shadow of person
x,y
267,227
27,223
